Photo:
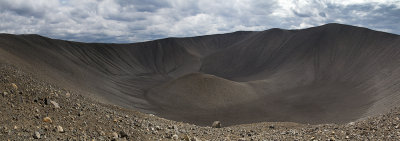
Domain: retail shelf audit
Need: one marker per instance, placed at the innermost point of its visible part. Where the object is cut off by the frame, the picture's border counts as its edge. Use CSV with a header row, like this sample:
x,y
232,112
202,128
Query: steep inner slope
x,y
331,73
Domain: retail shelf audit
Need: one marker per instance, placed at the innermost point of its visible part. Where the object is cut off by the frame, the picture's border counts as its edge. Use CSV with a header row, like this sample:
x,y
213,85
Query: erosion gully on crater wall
x,y
328,74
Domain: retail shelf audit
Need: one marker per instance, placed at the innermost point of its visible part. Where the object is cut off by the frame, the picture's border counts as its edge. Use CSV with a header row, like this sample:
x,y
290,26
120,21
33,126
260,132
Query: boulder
x,y
216,124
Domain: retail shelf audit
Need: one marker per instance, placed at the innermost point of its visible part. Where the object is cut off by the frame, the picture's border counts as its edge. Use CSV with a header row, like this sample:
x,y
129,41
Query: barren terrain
x,y
328,82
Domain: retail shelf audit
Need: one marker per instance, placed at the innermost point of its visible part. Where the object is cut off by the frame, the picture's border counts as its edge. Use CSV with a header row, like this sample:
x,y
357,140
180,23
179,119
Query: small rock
x,y
216,124
80,113
271,127
158,128
186,138
102,133
182,130
67,95
242,139
55,104
175,137
46,101
114,135
47,119
36,135
172,127
5,94
152,129
60,129
123,134
37,116
195,139
15,87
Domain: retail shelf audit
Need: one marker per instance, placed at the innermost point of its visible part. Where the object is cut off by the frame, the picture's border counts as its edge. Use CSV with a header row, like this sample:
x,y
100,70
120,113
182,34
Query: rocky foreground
x,y
32,109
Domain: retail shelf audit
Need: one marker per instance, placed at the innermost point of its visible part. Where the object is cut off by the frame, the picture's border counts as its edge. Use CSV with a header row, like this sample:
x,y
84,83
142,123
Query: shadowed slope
x,y
201,92
331,73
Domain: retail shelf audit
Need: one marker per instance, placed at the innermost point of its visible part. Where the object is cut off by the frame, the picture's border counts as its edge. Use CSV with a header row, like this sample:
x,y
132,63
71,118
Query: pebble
x,y
36,135
195,139
175,137
55,104
271,127
186,138
47,119
216,124
123,134
158,128
46,101
60,129
351,123
15,87
67,95
5,93
102,133
114,135
171,127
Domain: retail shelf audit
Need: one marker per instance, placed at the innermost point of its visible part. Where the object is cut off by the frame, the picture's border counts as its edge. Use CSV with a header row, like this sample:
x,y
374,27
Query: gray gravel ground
x,y
32,109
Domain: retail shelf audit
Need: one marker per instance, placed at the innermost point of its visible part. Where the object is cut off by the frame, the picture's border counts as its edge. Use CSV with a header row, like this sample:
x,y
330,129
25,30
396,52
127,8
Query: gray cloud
x,y
137,20
301,14
322,14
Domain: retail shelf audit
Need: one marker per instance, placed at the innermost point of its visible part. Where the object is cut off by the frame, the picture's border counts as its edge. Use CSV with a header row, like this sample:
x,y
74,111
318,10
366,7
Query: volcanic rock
x,y
216,124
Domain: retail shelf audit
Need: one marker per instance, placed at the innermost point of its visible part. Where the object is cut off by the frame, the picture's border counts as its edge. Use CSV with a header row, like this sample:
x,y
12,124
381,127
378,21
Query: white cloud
x,y
136,20
362,2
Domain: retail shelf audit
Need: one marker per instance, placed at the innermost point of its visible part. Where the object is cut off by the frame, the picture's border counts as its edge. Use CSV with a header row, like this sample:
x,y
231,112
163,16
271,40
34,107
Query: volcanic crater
x,y
332,73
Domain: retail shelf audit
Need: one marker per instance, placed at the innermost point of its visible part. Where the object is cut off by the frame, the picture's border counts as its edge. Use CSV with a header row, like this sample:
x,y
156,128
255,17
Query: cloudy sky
x,y
125,21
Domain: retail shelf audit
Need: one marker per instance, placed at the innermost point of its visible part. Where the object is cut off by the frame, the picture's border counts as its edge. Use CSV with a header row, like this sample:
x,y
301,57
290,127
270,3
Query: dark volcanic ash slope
x,y
331,73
